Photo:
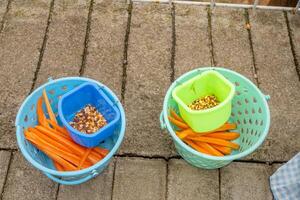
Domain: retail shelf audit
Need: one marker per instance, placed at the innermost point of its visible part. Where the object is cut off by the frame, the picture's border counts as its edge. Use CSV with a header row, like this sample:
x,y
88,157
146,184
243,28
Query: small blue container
x,y
78,98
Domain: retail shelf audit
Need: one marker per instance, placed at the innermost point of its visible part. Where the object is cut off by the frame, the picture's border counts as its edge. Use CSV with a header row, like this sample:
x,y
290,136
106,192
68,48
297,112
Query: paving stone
x,y
245,181
20,42
231,41
148,77
278,78
294,21
3,5
65,44
25,182
4,157
138,178
189,183
97,188
192,42
106,44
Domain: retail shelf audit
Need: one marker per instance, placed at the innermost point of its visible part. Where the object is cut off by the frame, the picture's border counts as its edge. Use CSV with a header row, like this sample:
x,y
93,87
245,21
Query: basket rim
x,y
78,172
190,149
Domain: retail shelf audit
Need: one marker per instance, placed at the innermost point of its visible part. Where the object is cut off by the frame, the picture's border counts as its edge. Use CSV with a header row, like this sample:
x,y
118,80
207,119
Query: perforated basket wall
x,y
250,112
27,118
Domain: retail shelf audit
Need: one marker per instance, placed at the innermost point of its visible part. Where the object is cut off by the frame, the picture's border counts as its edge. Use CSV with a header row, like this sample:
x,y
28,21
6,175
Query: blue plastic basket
x,y
250,111
26,117
78,98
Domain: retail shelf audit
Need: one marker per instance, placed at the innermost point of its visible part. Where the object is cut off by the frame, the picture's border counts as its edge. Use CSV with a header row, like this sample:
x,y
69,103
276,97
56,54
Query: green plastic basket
x,y
209,82
250,112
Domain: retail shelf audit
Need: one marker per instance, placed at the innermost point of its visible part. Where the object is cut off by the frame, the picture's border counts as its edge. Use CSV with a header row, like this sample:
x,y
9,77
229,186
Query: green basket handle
x,y
267,97
163,125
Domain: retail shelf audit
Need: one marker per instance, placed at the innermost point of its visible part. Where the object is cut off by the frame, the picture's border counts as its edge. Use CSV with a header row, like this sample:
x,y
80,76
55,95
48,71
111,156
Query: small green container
x,y
209,82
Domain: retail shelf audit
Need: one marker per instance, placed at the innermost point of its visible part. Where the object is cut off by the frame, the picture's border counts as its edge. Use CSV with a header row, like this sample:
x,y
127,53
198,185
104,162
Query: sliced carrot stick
x,y
87,152
65,164
58,166
77,149
55,131
209,148
179,124
226,127
214,141
49,140
57,127
224,135
188,132
72,158
103,152
177,117
48,106
222,149
40,113
196,147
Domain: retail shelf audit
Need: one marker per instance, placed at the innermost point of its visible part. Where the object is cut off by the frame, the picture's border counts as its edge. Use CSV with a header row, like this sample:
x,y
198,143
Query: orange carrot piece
x,y
214,141
77,149
72,158
58,166
55,131
179,124
86,154
209,148
48,106
103,152
226,127
40,113
224,135
177,117
57,127
188,132
222,149
65,164
196,147
48,139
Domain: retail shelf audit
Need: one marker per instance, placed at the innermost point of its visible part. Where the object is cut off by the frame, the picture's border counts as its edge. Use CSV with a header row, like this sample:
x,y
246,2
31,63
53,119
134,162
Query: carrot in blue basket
x,y
48,106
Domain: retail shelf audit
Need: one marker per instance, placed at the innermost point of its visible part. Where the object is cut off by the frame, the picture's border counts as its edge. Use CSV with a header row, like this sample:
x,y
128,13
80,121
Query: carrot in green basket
x,y
225,127
224,135
214,141
222,149
212,151
177,117
179,124
195,146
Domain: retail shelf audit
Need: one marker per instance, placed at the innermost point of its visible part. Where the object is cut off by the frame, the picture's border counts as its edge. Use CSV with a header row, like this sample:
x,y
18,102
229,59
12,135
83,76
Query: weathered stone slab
x,y
278,78
26,182
192,42
245,181
190,183
20,42
106,44
99,187
3,5
4,157
231,41
65,44
148,77
294,21
137,178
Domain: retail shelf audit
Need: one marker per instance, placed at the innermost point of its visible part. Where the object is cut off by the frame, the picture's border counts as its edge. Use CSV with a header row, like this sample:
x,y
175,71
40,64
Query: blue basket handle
x,y
73,182
162,121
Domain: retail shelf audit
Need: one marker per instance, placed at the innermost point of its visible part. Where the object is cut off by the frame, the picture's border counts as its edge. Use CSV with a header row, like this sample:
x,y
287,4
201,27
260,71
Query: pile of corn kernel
x,y
205,102
88,120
